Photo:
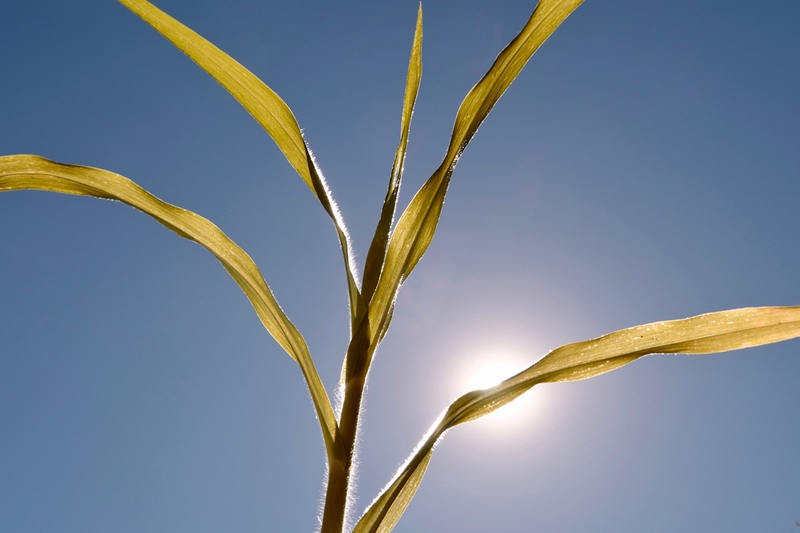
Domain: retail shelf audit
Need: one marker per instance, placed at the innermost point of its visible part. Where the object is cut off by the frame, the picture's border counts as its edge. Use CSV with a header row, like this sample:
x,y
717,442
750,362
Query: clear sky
x,y
644,166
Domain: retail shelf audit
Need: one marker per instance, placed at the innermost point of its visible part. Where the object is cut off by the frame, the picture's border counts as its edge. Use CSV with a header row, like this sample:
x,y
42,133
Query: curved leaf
x,y
21,172
709,333
418,223
269,110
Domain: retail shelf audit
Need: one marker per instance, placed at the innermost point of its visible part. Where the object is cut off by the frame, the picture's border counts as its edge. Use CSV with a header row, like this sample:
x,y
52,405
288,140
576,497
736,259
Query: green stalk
x,y
339,472
336,496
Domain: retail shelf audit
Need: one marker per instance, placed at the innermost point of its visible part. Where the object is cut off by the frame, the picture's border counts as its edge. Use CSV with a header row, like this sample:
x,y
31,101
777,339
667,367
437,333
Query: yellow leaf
x,y
359,342
377,249
21,172
416,226
269,110
709,333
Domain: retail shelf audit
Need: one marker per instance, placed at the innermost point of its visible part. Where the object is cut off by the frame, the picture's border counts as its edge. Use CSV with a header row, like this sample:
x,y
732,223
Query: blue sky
x,y
643,167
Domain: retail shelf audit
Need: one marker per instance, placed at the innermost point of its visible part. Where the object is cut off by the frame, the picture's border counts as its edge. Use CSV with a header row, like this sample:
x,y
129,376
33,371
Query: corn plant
x,y
396,248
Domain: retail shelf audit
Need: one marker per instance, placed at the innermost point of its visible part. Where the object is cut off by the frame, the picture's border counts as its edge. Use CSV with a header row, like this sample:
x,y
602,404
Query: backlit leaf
x,y
269,110
709,333
417,225
359,343
377,250
29,172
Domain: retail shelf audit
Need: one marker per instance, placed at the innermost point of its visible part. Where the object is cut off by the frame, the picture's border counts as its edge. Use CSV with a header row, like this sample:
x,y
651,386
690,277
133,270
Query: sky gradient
x,y
644,166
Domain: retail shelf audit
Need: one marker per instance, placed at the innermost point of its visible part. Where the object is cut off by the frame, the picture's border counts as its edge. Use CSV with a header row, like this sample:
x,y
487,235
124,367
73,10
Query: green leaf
x,y
709,333
270,111
30,172
418,223
377,249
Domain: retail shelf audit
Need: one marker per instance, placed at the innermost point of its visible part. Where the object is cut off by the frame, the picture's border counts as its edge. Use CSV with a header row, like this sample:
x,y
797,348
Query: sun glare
x,y
490,370
490,374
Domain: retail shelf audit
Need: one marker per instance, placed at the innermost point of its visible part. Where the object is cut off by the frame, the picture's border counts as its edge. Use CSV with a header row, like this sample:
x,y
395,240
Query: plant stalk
x,y
336,497
339,474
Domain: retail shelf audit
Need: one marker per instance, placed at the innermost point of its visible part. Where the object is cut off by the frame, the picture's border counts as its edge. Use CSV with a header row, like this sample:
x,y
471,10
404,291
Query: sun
x,y
489,370
490,373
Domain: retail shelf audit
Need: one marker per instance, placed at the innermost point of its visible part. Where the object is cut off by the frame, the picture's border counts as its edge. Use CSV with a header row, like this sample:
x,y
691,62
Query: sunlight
x,y
490,374
490,370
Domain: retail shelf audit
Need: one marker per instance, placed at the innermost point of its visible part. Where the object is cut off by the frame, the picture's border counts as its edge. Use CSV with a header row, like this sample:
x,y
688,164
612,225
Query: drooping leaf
x,y
416,226
30,172
269,110
709,333
377,249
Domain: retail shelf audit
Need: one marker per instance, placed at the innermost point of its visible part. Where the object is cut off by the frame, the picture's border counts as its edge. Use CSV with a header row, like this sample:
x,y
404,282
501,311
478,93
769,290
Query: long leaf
x,y
377,249
418,223
359,343
21,172
709,333
270,111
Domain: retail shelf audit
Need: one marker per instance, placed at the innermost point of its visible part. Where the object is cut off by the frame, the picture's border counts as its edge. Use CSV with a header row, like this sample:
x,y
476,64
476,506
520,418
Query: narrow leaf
x,y
21,172
709,333
269,110
377,250
418,223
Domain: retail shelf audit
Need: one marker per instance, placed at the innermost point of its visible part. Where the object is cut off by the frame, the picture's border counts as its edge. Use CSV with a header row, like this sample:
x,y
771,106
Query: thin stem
x,y
336,495
335,498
